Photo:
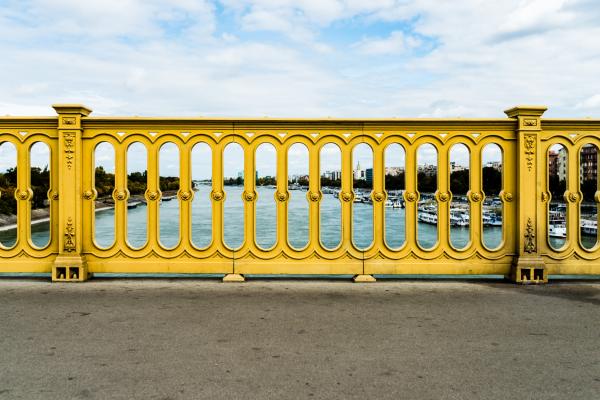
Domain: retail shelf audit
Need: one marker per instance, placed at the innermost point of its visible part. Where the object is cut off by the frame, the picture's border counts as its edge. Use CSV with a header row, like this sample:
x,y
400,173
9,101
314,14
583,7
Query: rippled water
x,y
330,223
266,227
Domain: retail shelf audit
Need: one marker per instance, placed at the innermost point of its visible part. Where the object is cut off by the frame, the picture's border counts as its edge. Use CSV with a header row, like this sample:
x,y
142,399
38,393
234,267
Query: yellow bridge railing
x,y
525,253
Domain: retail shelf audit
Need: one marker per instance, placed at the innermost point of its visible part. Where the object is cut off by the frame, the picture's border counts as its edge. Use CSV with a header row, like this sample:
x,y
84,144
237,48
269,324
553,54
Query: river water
x,y
330,225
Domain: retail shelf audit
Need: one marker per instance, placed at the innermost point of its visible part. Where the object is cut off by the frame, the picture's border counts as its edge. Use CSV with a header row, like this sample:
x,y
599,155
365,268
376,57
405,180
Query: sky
x,y
302,58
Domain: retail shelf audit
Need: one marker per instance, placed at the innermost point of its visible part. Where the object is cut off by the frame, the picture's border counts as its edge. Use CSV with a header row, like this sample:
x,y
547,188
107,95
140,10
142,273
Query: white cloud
x,y
535,16
179,57
592,102
81,28
397,42
301,20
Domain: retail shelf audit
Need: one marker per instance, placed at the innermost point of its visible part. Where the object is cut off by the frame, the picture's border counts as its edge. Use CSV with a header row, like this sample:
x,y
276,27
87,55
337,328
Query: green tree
x,y
426,183
327,182
459,182
394,182
492,181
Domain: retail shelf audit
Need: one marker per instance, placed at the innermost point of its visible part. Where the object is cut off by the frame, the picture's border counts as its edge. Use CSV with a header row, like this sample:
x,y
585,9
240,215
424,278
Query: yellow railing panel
x,y
523,255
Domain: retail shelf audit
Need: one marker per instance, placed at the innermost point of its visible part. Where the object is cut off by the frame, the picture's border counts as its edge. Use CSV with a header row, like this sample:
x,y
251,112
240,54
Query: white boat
x,y
491,219
398,204
428,218
459,219
589,227
557,231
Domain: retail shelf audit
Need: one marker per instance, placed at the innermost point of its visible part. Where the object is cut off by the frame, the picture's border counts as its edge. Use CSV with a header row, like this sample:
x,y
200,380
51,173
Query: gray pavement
x,y
202,339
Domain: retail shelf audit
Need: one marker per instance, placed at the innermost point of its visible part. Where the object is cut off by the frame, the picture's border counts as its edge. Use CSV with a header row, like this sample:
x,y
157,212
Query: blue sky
x,y
303,58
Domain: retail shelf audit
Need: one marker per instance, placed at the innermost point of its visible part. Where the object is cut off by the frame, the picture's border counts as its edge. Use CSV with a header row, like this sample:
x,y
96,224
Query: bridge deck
x,y
147,339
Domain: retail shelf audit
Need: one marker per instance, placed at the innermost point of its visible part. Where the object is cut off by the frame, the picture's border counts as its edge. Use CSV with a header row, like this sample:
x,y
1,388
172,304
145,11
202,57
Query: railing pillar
x,y
70,264
528,265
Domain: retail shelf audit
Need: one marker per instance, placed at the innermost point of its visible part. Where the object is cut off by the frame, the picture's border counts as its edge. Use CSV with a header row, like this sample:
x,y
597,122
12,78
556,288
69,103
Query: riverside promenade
x,y
302,339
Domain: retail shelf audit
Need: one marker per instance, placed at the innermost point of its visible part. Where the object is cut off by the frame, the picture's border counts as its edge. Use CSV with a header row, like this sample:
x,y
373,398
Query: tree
x,y
394,182
492,181
459,182
327,182
588,188
426,183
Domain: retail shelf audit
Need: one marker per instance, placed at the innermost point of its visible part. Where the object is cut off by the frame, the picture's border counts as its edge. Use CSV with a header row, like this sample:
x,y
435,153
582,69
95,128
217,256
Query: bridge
x,y
524,254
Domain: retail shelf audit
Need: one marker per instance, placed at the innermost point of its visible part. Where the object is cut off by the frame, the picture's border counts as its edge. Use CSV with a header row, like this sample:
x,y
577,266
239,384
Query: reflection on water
x,y
40,234
265,232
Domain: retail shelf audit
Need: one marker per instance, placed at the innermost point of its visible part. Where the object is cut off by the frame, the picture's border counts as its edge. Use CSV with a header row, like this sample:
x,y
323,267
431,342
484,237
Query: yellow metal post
x,y
70,264
528,266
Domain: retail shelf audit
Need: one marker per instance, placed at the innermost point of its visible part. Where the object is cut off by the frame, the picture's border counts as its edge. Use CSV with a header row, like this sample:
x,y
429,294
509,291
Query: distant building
x,y
394,171
359,173
497,165
552,163
454,167
562,164
427,169
333,175
588,163
298,178
369,175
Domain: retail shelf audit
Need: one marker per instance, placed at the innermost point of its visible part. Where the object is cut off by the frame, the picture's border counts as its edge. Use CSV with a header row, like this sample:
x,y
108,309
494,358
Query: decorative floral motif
x,y
69,120
347,196
529,237
410,196
379,196
69,148
120,195
507,196
249,196
444,197
545,197
185,195
69,243
476,197
217,195
314,196
530,122
23,194
152,195
88,195
281,196
572,197
529,150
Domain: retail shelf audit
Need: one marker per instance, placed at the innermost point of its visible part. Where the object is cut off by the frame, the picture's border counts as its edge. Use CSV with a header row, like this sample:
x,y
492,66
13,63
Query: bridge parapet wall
x,y
524,254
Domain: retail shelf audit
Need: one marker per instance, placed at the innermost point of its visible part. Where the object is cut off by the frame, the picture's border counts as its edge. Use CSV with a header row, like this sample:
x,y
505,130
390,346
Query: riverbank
x,y
38,216
42,215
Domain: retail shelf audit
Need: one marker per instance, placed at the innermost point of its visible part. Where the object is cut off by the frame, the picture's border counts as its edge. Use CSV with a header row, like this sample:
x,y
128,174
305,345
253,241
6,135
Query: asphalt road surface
x,y
303,339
